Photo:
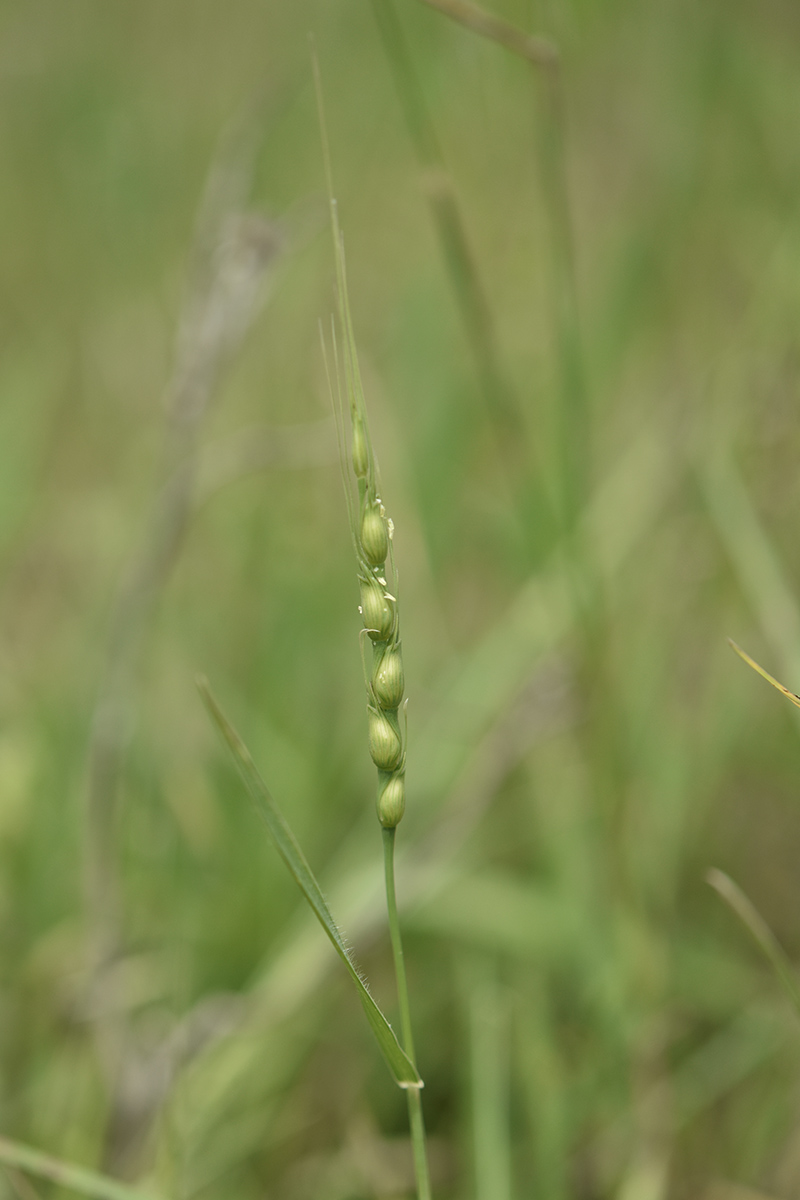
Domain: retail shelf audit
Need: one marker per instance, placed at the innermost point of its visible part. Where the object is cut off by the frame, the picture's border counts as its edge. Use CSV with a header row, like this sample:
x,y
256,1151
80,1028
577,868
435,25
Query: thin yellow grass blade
x,y
795,699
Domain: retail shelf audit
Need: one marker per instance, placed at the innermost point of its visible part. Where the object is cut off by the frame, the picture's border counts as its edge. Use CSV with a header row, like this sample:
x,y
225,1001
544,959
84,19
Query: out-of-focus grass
x,y
565,796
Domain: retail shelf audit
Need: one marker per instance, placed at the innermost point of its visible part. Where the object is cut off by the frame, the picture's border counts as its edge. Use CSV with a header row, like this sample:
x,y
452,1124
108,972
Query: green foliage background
x,y
587,1011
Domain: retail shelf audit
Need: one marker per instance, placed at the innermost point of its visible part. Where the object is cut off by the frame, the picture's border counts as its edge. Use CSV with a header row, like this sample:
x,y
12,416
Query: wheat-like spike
x,y
372,531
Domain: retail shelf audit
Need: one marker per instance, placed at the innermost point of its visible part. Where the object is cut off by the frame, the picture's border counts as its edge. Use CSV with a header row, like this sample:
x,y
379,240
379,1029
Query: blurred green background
x,y
578,529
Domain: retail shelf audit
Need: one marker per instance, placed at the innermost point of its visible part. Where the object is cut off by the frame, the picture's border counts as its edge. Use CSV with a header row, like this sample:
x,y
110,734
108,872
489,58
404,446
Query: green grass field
x,y
589,446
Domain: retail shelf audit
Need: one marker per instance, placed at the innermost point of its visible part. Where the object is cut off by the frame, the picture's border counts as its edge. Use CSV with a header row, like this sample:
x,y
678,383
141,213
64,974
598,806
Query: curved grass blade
x,y
403,1070
749,915
69,1176
795,699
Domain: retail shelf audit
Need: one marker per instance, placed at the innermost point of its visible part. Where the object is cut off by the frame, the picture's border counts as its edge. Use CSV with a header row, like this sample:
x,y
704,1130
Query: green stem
x,y
415,1118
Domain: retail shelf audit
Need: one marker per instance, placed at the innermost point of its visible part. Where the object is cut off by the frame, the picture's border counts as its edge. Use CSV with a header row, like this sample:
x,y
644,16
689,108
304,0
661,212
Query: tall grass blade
x,y
749,915
76,1179
403,1070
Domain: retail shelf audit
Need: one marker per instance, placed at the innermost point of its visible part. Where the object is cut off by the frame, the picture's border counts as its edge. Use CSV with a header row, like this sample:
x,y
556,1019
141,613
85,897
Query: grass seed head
x,y
385,745
392,800
372,534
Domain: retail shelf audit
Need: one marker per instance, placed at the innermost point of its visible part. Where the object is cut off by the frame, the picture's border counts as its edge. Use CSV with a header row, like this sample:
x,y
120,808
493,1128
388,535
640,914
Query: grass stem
x,y
415,1117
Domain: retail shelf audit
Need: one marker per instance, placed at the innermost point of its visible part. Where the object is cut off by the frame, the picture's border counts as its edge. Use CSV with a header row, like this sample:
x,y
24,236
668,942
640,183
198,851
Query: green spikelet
x,y
388,680
377,609
384,741
392,799
374,535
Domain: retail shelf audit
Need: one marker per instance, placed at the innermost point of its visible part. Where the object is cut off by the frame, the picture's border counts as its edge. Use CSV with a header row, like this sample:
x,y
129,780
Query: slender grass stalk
x,y
397,942
415,1117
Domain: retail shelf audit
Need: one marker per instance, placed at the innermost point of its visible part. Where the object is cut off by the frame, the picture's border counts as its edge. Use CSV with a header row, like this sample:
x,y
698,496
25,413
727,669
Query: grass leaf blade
x,y
399,1063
